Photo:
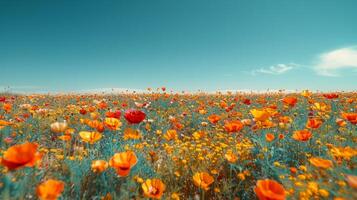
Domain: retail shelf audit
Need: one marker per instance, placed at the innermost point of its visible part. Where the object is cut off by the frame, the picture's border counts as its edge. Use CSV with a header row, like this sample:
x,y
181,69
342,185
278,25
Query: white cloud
x,y
275,69
330,63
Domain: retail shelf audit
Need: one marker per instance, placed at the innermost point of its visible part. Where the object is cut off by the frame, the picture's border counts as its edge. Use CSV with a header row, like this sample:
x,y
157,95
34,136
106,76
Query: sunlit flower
x,y
123,162
171,134
130,133
290,101
260,114
269,137
95,124
21,155
351,117
59,127
50,189
313,123
269,190
7,107
99,165
320,162
203,180
233,126
112,123
302,135
153,188
90,137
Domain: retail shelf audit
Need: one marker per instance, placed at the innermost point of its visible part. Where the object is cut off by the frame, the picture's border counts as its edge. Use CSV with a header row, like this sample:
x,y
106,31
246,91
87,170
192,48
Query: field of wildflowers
x,y
164,145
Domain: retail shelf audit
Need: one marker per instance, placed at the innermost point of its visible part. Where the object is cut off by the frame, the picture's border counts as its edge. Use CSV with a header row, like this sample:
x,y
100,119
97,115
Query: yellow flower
x,y
175,196
90,137
260,114
171,135
130,133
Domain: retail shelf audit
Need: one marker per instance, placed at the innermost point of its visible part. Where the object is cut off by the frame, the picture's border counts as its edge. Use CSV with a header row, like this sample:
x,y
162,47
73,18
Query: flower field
x,y
164,145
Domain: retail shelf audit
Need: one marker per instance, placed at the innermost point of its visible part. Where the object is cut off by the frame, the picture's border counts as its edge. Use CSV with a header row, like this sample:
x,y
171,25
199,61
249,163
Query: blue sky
x,y
183,45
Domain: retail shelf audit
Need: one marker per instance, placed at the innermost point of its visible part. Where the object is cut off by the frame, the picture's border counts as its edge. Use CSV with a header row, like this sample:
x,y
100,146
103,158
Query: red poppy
x,y
331,96
134,116
83,111
2,99
115,114
247,101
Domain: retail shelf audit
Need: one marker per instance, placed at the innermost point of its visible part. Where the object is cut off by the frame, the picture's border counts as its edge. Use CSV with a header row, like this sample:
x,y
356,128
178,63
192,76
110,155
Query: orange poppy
x,y
320,162
50,189
302,135
130,133
269,137
123,162
260,114
21,155
102,105
153,188
233,126
290,101
203,180
99,166
112,123
269,190
351,117
214,118
313,123
95,124
266,124
7,107
90,137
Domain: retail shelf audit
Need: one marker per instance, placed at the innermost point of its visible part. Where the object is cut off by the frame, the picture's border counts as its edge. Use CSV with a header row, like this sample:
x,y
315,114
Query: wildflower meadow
x,y
165,145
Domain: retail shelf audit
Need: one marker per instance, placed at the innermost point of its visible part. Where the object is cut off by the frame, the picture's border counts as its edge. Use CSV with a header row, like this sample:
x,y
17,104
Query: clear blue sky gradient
x,y
74,45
